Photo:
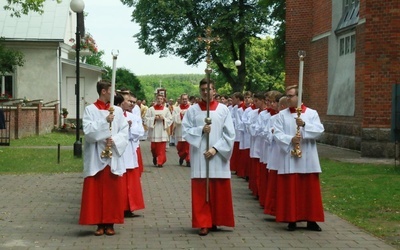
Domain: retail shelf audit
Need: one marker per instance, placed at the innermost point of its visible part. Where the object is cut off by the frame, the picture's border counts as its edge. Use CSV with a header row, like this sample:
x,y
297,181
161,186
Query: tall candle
x,y
114,69
301,54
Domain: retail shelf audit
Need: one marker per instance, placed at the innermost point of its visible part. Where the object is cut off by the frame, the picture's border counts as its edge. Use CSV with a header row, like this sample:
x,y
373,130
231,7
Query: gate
x,y
5,130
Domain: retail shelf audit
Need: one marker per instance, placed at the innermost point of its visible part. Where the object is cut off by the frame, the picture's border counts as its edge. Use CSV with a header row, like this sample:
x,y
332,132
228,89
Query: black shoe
x,y
160,166
214,228
128,214
154,161
292,226
180,161
188,164
313,226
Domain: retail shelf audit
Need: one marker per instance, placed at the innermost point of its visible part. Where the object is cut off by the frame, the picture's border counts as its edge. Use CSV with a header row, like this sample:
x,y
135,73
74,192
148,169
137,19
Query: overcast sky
x,y
110,24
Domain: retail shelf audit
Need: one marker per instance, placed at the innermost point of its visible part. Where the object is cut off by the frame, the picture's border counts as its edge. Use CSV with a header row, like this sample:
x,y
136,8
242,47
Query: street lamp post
x,y
77,6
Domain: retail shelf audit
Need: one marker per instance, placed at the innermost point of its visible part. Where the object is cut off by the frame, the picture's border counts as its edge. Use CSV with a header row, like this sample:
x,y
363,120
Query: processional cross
x,y
208,40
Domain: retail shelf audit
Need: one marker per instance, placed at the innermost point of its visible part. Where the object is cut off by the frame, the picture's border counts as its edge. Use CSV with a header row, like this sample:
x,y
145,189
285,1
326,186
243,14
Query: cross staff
x,y
208,40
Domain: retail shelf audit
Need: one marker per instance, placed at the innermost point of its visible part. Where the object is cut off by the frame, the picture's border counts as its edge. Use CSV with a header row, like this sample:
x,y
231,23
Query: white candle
x,y
301,54
114,69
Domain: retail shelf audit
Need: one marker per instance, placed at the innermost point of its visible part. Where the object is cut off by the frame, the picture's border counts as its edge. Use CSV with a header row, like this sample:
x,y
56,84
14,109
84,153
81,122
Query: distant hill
x,y
174,84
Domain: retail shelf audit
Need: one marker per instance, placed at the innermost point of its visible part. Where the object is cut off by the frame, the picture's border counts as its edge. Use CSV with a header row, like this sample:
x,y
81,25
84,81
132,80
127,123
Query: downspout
x,y
60,86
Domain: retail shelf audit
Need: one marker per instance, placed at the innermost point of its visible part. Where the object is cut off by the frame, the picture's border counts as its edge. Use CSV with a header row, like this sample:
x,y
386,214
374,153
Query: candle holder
x,y
296,151
107,153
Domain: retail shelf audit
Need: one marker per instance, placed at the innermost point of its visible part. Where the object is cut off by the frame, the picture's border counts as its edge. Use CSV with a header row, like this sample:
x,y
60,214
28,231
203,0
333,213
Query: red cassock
x,y
263,183
299,198
254,175
234,163
244,162
183,150
219,210
102,204
158,151
132,190
270,196
140,160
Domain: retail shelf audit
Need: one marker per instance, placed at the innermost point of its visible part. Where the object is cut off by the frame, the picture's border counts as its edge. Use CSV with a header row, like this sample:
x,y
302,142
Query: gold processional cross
x,y
208,40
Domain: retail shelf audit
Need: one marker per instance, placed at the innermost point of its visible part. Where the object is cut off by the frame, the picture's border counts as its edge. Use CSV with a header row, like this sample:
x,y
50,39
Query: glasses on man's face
x,y
290,96
132,102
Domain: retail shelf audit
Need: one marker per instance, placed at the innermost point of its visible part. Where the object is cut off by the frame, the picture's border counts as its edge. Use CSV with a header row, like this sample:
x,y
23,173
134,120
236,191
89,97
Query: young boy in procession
x,y
255,141
238,104
262,122
158,121
182,145
276,156
132,185
298,187
102,193
243,159
218,209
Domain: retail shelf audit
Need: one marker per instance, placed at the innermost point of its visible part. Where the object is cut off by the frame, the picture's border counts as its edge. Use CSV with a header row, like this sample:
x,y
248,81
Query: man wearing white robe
x,y
276,155
133,194
218,211
182,145
298,187
136,111
158,120
102,187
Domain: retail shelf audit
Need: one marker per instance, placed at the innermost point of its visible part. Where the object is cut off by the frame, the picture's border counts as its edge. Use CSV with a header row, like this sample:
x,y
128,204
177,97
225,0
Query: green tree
x,y
9,59
277,24
95,59
174,84
264,72
125,79
173,26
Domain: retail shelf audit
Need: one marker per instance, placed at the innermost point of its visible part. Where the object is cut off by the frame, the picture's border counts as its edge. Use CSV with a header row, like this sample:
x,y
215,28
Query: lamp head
x,y
238,63
301,53
114,52
77,6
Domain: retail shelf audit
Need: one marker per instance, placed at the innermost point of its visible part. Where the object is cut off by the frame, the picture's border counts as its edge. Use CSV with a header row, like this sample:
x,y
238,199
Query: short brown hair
x,y
205,81
293,87
103,84
238,95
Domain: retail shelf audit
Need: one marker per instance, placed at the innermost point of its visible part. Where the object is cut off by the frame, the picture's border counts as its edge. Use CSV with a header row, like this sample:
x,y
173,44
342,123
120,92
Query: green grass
x,y
51,139
19,158
367,195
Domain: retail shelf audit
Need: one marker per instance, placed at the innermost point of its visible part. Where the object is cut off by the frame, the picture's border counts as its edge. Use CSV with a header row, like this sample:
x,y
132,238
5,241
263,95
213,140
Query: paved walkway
x,y
41,212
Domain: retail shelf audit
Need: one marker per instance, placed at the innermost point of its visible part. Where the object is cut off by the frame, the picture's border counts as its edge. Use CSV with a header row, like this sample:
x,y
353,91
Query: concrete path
x,y
41,212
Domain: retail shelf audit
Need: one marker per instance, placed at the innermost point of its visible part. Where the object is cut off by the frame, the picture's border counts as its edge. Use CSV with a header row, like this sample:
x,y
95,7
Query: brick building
x,y
351,68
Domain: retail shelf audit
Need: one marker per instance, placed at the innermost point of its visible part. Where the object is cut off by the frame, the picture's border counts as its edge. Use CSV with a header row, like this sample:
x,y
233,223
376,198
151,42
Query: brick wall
x,y
381,60
28,121
377,68
380,70
298,37
321,17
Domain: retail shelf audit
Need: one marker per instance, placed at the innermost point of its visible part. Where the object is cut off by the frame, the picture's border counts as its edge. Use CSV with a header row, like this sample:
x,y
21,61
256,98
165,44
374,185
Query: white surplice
x,y
246,138
262,145
176,118
97,130
221,137
285,129
135,132
157,128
